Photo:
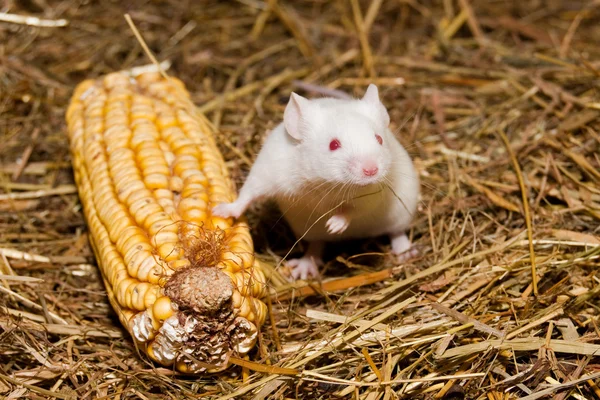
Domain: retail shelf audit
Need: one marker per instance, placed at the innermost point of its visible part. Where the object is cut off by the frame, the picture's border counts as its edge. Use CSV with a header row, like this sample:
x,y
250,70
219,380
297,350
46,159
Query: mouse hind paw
x,y
304,268
409,254
402,248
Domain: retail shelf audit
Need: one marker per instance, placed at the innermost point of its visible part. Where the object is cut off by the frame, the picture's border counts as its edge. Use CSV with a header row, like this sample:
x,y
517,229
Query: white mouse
x,y
336,172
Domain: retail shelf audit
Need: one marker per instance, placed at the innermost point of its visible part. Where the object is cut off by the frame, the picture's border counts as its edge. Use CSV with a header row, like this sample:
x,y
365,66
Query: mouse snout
x,y
365,171
370,169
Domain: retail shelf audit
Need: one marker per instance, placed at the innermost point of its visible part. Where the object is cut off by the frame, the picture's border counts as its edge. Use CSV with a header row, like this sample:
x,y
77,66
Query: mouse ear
x,y
371,97
295,111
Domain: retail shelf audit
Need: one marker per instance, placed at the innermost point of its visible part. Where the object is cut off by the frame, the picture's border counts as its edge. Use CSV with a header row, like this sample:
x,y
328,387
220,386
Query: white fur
x,y
309,181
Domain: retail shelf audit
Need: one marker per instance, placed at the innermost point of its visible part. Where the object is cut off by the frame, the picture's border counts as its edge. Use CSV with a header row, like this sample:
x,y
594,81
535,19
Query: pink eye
x,y
334,145
379,139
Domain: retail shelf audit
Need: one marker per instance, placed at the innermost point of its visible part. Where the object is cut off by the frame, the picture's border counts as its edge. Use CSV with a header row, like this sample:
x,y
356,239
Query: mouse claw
x,y
337,224
409,254
226,210
402,248
303,268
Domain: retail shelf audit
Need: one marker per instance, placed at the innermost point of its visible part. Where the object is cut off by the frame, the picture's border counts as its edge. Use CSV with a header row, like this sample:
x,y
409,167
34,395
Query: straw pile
x,y
496,101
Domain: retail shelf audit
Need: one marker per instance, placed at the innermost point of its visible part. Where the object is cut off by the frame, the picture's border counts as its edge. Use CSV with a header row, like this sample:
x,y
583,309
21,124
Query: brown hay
x,y
461,321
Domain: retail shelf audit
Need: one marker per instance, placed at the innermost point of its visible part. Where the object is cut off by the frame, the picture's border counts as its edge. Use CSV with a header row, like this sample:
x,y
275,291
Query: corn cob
x,y
184,283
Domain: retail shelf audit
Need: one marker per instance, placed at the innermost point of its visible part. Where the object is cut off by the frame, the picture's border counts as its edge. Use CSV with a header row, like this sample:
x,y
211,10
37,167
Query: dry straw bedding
x,y
496,101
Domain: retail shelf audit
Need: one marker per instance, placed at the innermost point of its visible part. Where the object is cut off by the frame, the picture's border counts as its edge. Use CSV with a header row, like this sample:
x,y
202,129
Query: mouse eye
x,y
334,145
379,139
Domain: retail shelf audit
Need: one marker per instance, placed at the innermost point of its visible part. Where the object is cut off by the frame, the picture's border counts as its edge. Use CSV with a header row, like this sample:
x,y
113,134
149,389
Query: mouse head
x,y
341,141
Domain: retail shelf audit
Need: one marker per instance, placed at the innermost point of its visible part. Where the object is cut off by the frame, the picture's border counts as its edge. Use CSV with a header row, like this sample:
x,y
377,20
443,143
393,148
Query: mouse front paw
x,y
305,267
337,224
226,210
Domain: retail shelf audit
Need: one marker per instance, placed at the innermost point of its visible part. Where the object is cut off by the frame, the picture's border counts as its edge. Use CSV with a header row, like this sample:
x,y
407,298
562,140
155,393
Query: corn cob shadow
x,y
184,283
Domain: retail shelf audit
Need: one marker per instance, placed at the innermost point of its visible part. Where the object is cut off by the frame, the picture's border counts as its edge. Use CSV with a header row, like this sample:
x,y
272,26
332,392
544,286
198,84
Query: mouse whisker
x,y
322,199
298,198
304,234
431,167
389,185
431,186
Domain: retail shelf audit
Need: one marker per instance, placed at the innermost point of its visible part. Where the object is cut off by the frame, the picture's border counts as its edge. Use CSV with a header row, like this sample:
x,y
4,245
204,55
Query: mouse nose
x,y
370,170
